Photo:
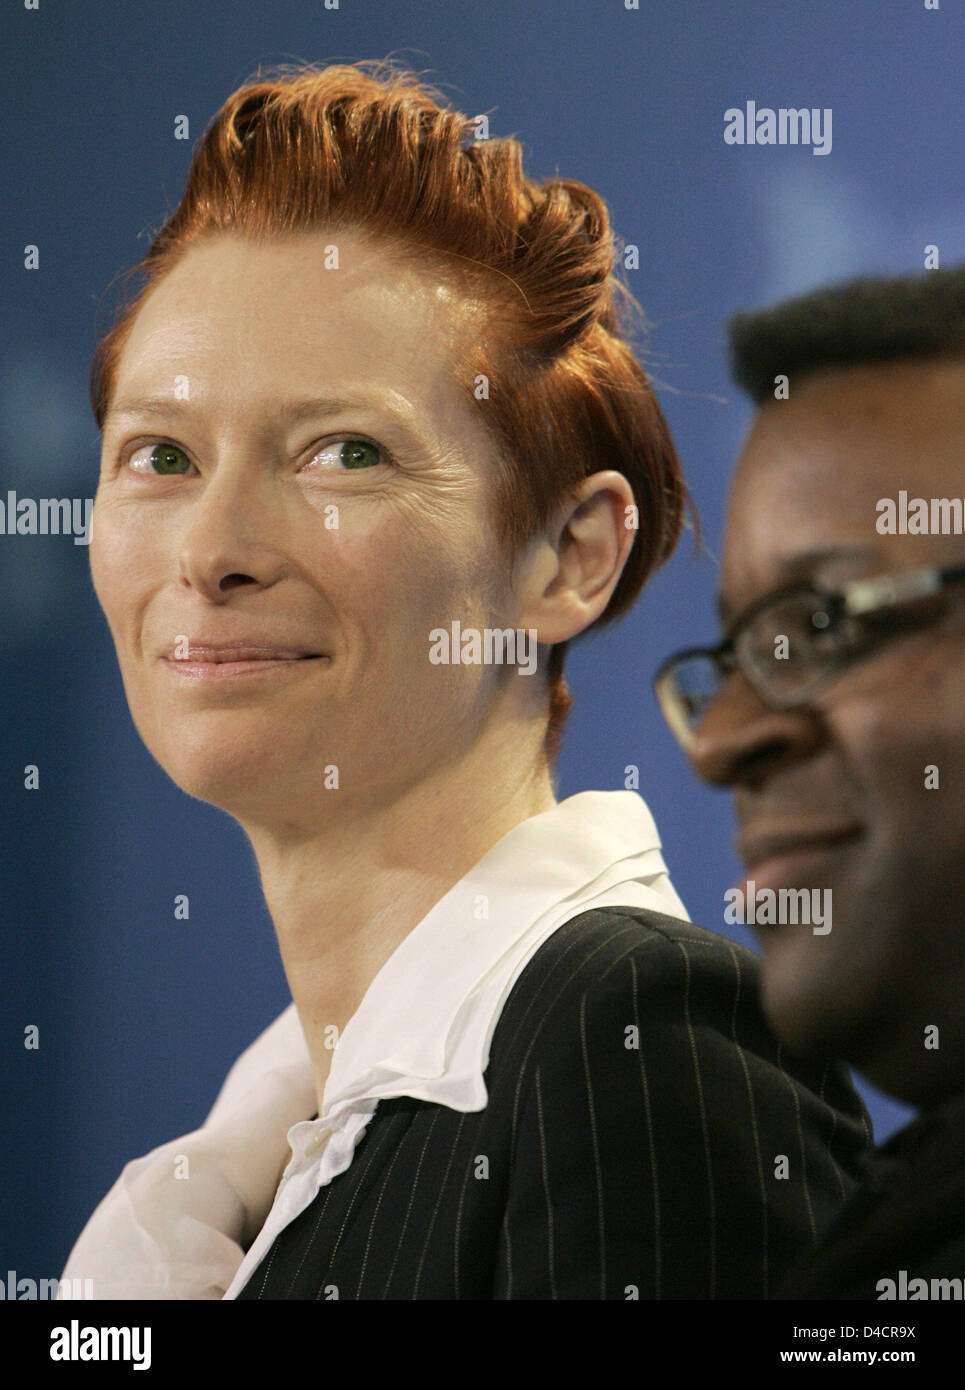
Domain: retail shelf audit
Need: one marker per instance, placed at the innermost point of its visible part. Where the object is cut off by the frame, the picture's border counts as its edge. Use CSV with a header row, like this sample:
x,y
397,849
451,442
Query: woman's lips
x,y
202,663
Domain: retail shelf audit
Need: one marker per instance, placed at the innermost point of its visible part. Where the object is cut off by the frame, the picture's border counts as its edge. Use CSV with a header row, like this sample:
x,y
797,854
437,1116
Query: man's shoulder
x,y
905,1222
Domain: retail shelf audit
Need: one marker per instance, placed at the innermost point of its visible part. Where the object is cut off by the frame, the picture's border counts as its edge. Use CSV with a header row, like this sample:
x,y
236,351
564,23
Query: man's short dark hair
x,y
872,319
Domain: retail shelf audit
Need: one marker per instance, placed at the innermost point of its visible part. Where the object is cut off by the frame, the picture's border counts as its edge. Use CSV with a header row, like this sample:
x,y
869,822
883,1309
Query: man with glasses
x,y
835,710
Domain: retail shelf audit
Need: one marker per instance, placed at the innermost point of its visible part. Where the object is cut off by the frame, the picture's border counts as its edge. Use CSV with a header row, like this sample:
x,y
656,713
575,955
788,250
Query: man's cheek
x,y
883,737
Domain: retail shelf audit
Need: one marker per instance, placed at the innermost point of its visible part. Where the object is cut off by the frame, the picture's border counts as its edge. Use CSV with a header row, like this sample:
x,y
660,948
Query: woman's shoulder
x,y
596,942
617,968
617,987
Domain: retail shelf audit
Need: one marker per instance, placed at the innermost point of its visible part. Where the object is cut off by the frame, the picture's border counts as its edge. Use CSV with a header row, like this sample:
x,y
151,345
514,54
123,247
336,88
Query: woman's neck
x,y
343,896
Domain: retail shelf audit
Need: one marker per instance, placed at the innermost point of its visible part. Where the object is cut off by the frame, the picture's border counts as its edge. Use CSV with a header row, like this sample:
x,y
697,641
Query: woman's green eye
x,y
348,453
358,453
160,459
168,459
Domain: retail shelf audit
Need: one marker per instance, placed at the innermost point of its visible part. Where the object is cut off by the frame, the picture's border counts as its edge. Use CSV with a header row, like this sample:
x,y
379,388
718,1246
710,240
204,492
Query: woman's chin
x,y
241,780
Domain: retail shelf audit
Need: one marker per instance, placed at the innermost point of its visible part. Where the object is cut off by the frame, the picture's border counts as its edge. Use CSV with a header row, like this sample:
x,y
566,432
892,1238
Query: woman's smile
x,y
231,664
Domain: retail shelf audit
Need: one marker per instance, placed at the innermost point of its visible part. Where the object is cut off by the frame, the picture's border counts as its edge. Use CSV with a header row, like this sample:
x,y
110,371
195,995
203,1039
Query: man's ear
x,y
568,572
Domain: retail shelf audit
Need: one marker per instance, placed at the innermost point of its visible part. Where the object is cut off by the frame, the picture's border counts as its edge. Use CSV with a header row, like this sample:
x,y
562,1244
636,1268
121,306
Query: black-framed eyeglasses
x,y
790,644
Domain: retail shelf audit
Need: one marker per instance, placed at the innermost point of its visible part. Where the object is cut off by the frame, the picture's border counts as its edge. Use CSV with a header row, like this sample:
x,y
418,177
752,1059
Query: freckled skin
x,y
810,474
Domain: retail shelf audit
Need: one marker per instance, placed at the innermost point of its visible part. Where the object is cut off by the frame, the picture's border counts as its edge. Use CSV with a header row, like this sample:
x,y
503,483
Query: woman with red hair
x,y
375,449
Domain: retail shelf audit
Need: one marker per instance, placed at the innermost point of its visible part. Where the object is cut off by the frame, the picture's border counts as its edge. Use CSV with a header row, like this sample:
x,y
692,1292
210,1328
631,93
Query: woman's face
x,y
295,490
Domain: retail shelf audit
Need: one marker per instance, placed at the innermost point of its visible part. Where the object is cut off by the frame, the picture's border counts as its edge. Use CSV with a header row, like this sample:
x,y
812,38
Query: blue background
x,y
140,1015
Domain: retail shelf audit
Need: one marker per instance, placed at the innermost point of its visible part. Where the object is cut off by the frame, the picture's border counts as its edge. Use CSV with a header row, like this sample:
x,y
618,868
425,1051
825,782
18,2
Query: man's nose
x,y
234,532
740,737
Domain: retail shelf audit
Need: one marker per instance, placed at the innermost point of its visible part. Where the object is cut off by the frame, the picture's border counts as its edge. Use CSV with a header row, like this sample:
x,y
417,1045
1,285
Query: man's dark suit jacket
x,y
908,1214
644,1137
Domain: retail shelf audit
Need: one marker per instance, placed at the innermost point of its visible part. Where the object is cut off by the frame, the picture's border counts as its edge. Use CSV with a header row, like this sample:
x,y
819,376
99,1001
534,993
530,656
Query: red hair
x,y
380,151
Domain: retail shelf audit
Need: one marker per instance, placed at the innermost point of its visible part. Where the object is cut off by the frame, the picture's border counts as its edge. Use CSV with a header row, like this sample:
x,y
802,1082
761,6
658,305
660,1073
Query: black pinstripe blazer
x,y
644,1137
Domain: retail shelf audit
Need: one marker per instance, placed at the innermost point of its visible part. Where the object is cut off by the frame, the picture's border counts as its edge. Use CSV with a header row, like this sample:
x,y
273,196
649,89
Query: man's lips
x,y
757,845
788,855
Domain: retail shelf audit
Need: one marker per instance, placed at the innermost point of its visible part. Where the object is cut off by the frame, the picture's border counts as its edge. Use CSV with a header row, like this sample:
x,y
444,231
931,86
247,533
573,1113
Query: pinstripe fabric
x,y
605,1164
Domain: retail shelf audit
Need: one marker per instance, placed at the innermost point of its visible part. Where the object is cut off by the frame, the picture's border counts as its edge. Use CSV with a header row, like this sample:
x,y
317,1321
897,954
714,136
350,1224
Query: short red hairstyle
x,y
380,151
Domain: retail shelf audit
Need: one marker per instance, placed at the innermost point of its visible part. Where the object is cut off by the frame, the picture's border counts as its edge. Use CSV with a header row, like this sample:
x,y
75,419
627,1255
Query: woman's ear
x,y
569,571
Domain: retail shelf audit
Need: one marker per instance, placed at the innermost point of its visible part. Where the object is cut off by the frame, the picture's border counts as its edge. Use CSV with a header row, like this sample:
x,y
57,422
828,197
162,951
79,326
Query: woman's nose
x,y
232,534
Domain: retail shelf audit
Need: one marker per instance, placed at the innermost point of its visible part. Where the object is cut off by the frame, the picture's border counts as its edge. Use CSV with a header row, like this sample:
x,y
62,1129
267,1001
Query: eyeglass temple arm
x,y
865,595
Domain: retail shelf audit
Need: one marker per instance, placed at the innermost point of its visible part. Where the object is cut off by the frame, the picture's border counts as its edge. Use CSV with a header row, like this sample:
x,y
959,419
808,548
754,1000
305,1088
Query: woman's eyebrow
x,y
399,410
